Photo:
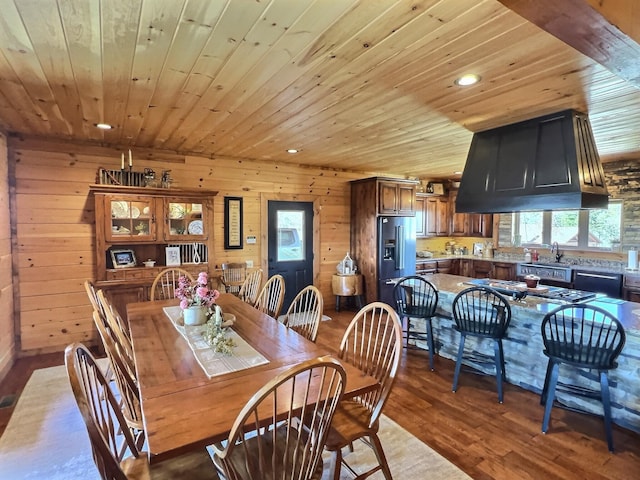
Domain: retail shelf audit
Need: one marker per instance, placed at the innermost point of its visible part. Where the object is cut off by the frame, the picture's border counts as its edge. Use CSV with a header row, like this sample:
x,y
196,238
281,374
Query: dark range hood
x,y
546,163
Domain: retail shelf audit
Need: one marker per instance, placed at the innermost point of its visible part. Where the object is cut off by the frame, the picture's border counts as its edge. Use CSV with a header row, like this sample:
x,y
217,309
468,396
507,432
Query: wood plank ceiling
x,y
364,85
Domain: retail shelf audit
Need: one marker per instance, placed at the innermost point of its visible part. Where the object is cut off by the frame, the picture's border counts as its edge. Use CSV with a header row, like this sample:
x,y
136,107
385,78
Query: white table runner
x,y
214,363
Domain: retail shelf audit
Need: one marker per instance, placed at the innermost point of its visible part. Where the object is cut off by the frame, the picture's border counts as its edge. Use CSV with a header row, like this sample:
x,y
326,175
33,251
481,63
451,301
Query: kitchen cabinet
x,y
437,216
480,225
469,224
140,223
420,218
427,267
631,288
446,266
372,198
397,198
466,267
431,215
504,271
482,269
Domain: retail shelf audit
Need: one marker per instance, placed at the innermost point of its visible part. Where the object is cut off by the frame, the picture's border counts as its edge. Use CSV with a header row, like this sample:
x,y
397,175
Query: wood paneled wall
x,y
7,333
55,224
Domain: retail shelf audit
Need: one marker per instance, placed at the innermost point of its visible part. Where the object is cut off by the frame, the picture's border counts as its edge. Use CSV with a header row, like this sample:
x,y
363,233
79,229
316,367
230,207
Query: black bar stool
x,y
582,337
484,313
416,297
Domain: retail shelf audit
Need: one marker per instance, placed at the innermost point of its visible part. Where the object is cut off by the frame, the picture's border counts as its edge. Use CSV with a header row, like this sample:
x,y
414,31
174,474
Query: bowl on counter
x,y
531,281
149,263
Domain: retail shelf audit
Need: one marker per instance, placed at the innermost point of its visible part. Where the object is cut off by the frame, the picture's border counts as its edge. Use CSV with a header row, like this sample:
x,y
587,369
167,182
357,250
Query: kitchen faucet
x,y
555,249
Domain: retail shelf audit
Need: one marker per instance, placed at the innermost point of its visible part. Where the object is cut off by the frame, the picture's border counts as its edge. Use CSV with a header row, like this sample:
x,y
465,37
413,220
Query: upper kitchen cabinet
x,y
396,197
432,215
437,216
469,224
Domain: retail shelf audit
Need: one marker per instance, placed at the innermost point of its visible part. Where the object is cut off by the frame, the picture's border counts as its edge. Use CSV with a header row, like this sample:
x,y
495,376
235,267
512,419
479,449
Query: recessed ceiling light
x,y
292,150
103,126
467,79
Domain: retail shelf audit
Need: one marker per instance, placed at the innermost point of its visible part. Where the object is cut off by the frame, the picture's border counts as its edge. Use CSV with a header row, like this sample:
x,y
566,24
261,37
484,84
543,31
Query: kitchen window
x,y
583,229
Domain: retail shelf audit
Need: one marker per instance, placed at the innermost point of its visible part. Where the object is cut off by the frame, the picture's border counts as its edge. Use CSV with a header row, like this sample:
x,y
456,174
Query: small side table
x,y
347,286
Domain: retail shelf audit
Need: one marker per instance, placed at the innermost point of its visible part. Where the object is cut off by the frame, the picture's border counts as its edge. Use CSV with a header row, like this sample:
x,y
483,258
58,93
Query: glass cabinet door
x,y
185,219
132,219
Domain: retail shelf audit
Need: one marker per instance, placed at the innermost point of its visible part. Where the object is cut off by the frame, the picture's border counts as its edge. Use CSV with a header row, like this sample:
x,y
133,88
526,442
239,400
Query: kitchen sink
x,y
559,272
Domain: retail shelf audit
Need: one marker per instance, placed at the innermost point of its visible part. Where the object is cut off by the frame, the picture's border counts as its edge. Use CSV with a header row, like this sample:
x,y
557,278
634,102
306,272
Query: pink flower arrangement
x,y
197,293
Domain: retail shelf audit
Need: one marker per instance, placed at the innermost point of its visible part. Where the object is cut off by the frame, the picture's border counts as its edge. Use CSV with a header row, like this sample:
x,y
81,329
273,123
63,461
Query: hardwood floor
x,y
470,428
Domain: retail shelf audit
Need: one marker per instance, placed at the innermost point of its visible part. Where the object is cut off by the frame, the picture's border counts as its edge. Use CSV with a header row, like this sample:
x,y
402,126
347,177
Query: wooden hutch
x,y
138,224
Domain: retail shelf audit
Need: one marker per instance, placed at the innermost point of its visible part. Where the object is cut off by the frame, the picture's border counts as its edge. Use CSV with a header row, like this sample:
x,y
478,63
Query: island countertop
x,y
627,312
525,362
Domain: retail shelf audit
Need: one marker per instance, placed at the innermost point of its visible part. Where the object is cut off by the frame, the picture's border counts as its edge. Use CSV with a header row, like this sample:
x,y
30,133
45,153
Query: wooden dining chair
x,y
165,284
373,343
115,452
251,287
116,326
305,312
271,296
233,276
92,294
268,440
125,378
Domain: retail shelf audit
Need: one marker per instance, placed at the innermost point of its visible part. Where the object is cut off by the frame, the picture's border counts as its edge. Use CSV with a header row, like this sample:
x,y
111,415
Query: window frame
x,y
583,230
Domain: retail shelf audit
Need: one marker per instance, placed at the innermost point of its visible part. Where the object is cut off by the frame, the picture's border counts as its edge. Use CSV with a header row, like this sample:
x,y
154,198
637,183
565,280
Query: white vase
x,y
196,315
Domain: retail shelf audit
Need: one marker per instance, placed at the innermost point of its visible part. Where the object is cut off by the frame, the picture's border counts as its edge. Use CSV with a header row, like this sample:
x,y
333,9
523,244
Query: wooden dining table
x,y
183,409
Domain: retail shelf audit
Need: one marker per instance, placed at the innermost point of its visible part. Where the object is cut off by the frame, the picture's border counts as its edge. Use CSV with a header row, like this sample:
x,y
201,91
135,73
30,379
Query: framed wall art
x,y
232,223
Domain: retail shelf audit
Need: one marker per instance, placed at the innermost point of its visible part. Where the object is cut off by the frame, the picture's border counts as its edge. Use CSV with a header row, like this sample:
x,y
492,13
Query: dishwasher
x,y
608,283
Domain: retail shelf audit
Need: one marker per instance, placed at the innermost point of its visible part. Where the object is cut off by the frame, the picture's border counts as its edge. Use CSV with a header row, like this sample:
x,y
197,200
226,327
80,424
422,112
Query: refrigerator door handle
x,y
400,247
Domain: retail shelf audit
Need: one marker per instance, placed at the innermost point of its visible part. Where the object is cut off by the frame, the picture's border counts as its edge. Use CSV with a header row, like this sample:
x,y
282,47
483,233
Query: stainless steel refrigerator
x,y
396,253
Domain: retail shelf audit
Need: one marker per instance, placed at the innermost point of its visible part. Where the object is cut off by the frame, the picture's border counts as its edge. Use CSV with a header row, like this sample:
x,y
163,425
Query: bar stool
x,y
416,298
583,337
484,313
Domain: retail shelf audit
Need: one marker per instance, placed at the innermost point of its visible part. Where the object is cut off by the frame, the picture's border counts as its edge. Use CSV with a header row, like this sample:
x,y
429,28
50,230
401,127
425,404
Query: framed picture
x,y
172,256
232,223
123,258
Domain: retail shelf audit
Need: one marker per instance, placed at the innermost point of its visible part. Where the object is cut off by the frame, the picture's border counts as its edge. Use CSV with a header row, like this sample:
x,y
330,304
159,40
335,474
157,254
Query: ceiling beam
x,y
586,29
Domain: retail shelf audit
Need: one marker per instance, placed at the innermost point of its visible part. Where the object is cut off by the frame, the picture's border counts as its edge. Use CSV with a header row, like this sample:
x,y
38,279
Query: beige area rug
x,y
46,439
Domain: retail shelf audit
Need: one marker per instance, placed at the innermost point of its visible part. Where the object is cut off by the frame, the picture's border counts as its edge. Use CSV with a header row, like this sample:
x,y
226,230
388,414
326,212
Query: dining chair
x,y
92,294
268,440
417,299
305,312
373,343
271,297
117,327
124,375
251,287
483,313
115,452
165,284
582,338
233,275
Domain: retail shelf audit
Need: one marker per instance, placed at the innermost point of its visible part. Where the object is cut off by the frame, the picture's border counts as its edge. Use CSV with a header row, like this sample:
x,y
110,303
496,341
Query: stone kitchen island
x,y
526,364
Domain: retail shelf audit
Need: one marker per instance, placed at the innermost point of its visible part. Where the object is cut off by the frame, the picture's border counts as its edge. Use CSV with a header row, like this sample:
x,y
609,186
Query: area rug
x,y
46,439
